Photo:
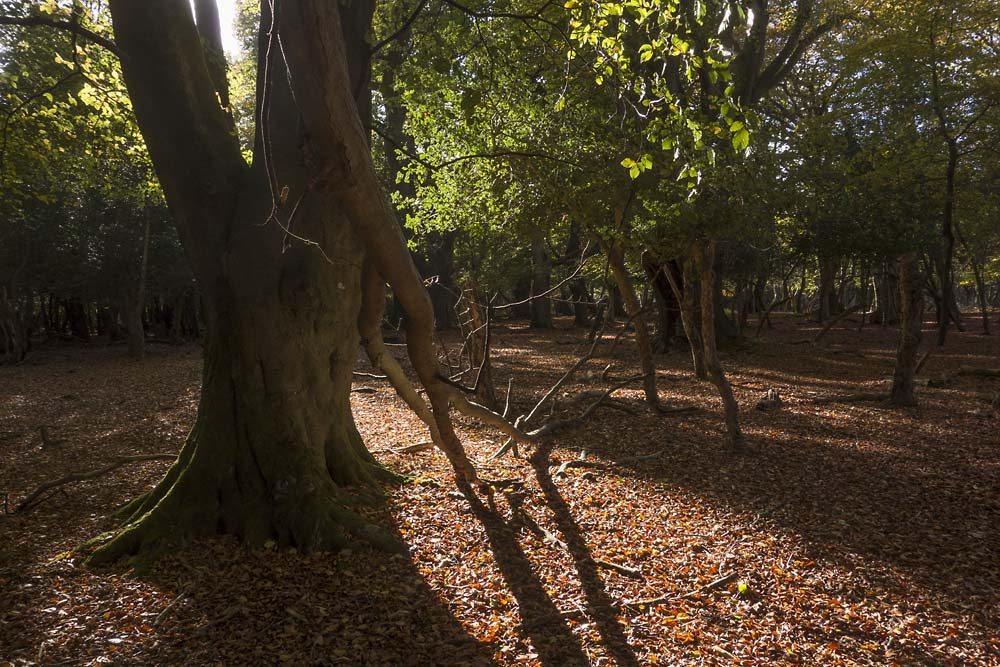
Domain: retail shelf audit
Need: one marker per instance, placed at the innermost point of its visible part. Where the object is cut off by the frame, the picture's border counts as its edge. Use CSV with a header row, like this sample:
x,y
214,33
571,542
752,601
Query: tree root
x,y
319,521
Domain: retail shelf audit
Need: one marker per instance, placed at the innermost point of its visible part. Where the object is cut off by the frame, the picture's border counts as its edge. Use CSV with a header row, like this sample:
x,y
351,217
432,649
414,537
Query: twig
x,y
562,424
166,610
374,376
721,581
32,498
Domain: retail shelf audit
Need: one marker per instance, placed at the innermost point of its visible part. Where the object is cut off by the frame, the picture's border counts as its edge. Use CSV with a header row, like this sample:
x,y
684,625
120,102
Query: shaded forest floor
x,y
850,534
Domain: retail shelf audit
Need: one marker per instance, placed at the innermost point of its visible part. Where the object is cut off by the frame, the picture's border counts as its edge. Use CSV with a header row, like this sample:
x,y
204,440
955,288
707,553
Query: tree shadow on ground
x,y
541,619
359,607
215,602
923,507
600,605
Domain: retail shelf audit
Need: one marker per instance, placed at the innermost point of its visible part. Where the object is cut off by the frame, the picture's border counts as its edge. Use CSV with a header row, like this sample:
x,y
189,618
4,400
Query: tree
x,y
289,253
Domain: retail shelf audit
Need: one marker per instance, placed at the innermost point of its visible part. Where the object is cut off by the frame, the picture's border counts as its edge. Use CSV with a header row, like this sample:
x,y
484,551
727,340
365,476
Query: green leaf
x,y
741,140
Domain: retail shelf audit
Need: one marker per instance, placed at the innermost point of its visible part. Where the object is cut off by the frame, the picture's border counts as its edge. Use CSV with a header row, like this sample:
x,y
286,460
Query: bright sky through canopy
x,y
227,15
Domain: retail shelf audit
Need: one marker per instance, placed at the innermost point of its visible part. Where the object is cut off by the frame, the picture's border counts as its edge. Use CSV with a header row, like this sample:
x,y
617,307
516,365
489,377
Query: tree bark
x,y
135,335
578,286
686,294
949,308
912,306
541,281
827,275
711,353
616,262
667,304
278,264
981,296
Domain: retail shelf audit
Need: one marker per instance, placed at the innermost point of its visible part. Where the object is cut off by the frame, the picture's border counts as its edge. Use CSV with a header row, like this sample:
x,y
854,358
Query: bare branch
x,y
69,26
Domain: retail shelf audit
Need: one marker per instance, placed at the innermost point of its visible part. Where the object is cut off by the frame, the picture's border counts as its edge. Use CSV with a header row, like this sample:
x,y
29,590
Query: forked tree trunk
x,y
712,363
274,441
912,307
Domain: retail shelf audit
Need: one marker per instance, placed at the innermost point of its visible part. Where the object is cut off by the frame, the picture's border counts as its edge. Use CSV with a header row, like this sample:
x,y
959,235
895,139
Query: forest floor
x,y
849,534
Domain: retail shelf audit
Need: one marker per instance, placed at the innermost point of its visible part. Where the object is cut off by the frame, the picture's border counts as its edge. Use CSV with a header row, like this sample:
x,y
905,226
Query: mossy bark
x,y
274,442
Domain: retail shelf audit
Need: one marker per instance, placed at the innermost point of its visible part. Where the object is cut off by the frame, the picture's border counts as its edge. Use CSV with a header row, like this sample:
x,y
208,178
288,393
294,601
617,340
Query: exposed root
x,y
319,522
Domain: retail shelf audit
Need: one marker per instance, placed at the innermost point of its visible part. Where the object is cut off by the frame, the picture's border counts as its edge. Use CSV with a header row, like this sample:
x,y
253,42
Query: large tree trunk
x,y
912,306
712,363
541,281
274,440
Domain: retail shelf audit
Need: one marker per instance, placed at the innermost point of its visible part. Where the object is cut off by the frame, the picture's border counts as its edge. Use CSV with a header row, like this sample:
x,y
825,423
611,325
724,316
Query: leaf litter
x,y
851,534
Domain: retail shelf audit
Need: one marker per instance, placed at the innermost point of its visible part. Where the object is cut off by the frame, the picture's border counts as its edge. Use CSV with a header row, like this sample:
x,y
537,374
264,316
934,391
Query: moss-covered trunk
x,y
274,441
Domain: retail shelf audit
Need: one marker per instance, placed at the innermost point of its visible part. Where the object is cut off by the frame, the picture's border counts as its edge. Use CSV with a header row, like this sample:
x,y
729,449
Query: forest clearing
x,y
852,534
513,332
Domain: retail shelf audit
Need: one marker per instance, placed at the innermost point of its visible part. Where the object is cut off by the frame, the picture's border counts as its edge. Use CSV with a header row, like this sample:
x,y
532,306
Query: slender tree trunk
x,y
981,296
912,307
541,282
712,364
616,262
827,275
949,308
135,334
685,292
439,263
578,286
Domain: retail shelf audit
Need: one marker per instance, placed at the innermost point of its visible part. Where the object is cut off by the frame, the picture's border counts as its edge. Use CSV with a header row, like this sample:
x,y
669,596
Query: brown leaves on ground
x,y
856,534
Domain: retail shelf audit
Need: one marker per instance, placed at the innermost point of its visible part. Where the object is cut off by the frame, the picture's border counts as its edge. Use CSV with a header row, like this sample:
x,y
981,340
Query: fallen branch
x,y
920,364
649,602
861,397
510,443
829,325
979,372
374,376
826,328
766,317
166,610
582,463
32,498
562,424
